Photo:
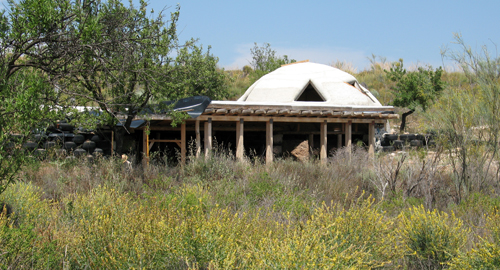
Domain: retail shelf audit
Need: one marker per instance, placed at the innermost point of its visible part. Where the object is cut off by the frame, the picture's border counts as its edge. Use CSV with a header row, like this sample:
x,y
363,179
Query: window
x,y
309,93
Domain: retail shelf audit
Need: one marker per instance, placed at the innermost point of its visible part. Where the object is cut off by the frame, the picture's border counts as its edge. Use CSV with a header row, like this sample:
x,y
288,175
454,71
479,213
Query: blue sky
x,y
326,31
329,31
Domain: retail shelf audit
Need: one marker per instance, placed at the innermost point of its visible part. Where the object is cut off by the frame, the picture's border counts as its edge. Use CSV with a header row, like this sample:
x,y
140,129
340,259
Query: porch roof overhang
x,y
300,106
289,112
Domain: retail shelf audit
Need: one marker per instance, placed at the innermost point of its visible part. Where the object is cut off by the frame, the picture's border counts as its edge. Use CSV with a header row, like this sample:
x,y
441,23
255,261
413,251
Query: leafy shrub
x,y
487,253
430,239
26,240
333,238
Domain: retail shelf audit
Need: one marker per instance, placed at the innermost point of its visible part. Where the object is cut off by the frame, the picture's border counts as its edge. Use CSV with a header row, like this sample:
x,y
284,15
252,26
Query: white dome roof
x,y
309,84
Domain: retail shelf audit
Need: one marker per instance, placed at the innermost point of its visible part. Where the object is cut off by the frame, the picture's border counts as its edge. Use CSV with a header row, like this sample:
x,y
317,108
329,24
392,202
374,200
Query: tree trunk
x,y
403,120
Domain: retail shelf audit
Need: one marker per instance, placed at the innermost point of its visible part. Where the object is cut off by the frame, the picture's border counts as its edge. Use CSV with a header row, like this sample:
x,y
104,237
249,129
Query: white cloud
x,y
243,57
322,55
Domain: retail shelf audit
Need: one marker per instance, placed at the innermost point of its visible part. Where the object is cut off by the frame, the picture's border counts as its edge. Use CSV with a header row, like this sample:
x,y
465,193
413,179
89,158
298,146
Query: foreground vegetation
x,y
356,212
417,209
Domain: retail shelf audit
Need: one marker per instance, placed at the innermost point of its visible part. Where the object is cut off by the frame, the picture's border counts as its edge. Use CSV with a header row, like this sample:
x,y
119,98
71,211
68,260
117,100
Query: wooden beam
x,y
290,118
371,139
235,111
198,139
327,113
339,141
240,148
228,118
183,143
272,112
208,137
348,134
374,115
283,112
269,142
323,142
221,111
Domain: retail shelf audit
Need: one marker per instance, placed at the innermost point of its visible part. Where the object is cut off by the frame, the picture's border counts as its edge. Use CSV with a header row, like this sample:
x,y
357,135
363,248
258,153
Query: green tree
x,y
26,63
467,117
97,53
414,89
128,58
265,60
196,73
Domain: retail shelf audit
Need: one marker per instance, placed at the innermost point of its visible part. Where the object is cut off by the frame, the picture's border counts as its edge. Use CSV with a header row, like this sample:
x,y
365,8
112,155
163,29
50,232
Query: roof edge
x,y
306,105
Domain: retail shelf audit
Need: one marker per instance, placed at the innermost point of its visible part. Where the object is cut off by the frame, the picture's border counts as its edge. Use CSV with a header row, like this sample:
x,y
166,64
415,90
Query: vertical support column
x,y
198,139
311,144
112,143
339,141
323,142
208,137
183,143
348,135
145,147
269,142
371,139
240,149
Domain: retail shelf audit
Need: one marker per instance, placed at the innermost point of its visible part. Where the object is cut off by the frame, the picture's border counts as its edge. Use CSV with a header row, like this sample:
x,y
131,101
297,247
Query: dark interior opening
x,y
310,94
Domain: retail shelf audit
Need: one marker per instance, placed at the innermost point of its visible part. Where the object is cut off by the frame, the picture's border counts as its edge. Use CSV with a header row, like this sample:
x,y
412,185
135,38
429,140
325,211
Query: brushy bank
x,y
353,213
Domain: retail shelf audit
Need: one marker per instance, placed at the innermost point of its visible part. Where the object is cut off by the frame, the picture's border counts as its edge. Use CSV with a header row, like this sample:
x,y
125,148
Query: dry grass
x,y
218,213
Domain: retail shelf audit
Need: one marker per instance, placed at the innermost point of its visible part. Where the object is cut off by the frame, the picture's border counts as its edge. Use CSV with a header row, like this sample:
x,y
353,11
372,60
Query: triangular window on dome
x,y
309,93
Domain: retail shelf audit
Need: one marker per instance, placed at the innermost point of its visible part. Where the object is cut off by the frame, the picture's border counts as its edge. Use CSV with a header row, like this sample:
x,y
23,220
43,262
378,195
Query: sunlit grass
x,y
217,213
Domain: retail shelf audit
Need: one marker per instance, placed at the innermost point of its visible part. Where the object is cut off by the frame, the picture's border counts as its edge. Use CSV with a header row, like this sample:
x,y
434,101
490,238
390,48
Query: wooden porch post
x,y
208,137
371,139
269,142
198,139
339,141
183,143
240,149
323,142
348,135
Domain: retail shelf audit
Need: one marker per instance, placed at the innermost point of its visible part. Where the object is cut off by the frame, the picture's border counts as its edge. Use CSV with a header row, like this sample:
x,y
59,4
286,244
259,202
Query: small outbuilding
x,y
302,109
